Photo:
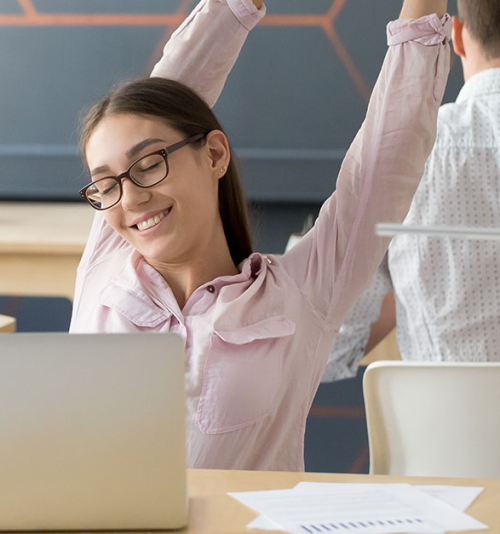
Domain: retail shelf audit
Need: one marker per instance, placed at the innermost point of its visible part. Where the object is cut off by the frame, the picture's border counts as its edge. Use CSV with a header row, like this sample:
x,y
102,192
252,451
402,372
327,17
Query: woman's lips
x,y
153,221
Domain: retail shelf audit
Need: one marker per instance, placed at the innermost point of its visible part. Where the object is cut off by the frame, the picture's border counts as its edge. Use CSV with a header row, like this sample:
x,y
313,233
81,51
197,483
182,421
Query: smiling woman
x,y
170,249
176,203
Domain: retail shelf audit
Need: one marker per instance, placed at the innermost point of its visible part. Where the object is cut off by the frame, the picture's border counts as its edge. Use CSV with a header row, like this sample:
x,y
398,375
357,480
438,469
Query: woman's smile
x,y
150,222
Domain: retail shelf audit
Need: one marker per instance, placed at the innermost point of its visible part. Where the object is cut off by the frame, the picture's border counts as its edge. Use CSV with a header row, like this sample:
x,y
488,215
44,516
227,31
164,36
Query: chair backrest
x,y
433,418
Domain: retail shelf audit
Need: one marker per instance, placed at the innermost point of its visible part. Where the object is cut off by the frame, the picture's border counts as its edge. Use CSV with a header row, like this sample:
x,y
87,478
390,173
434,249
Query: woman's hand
x,y
258,3
414,9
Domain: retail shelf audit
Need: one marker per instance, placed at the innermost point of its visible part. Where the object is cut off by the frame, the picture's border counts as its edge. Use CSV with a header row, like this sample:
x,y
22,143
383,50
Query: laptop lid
x,y
92,432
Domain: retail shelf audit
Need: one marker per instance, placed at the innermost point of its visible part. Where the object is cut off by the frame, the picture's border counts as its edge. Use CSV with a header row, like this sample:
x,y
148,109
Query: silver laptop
x,y
92,432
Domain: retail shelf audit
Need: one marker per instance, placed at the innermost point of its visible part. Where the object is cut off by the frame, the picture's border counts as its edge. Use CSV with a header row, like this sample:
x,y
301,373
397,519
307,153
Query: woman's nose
x,y
133,195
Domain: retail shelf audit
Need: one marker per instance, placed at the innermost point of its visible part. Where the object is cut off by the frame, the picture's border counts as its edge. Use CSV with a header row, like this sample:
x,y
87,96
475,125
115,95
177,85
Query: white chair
x,y
433,419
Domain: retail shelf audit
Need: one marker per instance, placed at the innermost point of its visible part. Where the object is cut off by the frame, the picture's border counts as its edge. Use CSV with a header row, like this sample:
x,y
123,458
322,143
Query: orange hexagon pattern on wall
x,y
30,16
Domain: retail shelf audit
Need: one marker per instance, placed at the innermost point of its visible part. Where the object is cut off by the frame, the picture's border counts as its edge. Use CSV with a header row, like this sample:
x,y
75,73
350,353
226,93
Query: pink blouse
x,y
257,342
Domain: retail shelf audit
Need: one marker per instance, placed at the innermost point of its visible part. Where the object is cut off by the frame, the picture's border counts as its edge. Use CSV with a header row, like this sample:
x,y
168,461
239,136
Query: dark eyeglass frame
x,y
164,152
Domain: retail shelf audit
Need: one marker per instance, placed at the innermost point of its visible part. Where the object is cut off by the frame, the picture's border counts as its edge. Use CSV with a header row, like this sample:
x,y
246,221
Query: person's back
x,y
447,291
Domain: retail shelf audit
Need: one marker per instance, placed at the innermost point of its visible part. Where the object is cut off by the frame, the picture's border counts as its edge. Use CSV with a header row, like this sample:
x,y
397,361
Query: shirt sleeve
x,y
200,54
203,50
337,259
349,346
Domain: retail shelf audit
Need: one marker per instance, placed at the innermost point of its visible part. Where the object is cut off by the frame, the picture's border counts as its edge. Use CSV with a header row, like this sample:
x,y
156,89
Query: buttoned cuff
x,y
429,30
246,12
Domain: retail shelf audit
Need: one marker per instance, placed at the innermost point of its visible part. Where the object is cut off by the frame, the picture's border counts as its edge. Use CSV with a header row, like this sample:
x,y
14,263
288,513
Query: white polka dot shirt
x,y
447,290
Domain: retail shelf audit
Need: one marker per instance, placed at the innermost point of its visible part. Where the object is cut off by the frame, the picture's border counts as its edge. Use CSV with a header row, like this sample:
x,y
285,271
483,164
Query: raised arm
x,y
336,261
414,9
203,50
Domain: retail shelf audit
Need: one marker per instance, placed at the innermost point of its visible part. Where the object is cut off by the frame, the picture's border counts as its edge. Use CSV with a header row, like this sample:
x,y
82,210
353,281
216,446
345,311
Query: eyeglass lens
x,y
146,172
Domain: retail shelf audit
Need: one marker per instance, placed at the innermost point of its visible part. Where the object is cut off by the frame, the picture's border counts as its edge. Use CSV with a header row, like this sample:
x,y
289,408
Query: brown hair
x,y
187,113
482,19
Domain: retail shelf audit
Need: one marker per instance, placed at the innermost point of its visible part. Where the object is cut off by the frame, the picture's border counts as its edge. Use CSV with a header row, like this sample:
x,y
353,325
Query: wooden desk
x,y
41,246
7,324
213,511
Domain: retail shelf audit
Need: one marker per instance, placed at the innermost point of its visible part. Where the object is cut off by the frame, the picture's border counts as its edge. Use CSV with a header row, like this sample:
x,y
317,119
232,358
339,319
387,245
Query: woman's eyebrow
x,y
130,153
98,170
143,144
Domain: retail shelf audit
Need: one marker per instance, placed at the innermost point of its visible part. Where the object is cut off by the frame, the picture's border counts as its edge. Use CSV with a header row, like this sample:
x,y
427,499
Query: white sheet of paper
x,y
263,523
311,508
460,497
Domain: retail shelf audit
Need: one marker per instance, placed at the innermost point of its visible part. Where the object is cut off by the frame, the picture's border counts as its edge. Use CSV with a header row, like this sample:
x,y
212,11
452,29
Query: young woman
x,y
170,250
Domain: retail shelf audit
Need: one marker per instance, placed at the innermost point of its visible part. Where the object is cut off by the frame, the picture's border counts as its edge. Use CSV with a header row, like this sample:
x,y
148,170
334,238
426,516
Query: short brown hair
x,y
184,111
482,19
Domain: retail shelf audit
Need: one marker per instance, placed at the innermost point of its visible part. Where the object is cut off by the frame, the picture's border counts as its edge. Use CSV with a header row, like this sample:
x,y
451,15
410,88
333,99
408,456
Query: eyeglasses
x,y
146,172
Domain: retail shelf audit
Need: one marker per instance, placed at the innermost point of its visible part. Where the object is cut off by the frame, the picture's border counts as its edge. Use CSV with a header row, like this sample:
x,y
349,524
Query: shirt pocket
x,y
242,375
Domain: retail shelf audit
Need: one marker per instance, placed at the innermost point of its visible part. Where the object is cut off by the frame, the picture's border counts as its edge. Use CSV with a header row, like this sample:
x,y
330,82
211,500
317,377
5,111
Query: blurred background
x,y
291,107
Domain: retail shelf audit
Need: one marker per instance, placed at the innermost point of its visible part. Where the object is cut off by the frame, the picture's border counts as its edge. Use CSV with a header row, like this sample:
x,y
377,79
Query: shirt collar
x,y
483,83
140,293
152,294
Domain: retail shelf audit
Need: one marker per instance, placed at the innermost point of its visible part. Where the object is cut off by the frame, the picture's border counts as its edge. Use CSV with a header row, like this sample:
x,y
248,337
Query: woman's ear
x,y
457,37
218,151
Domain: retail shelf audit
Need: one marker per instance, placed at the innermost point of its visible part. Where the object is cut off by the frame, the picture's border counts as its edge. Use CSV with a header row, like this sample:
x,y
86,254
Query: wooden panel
x,y
7,324
45,275
40,247
44,228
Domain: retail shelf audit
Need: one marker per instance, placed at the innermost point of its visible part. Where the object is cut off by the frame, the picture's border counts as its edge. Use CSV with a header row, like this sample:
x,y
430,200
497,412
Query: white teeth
x,y
153,221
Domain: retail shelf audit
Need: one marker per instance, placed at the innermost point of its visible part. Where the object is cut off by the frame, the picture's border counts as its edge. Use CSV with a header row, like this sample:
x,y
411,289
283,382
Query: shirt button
x,y
211,289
